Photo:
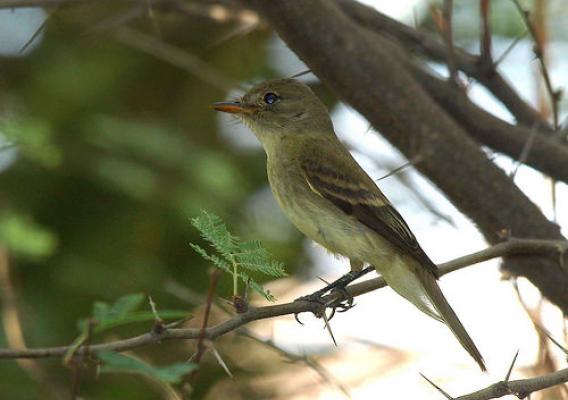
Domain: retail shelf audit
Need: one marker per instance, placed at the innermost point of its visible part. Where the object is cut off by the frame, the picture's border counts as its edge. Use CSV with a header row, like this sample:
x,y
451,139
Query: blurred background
x,y
108,149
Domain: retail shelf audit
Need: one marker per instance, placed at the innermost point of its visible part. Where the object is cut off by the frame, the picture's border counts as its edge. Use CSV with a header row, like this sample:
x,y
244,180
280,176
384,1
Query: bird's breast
x,y
315,216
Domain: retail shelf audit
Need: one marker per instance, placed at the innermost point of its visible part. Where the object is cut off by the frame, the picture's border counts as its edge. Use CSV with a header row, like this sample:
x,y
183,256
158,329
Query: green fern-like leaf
x,y
217,261
254,257
235,257
214,231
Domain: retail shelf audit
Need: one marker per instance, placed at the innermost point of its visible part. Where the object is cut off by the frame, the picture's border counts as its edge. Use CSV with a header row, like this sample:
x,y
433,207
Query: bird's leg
x,y
337,285
345,302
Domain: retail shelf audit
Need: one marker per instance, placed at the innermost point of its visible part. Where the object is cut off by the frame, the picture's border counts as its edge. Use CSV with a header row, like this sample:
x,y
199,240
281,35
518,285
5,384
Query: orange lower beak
x,y
233,107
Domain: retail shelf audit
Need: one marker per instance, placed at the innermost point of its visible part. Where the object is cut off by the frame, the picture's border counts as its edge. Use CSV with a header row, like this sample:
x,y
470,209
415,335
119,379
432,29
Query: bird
x,y
328,196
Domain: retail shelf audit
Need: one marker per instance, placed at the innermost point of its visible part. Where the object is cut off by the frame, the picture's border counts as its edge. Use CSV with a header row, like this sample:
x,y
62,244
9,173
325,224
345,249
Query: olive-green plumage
x,y
330,198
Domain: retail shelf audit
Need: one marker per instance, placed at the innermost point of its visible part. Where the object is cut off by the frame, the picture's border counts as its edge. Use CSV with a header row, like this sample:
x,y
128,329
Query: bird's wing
x,y
355,193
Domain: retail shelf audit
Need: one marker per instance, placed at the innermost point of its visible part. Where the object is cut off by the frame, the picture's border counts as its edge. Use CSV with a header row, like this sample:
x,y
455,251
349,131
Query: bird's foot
x,y
315,297
344,301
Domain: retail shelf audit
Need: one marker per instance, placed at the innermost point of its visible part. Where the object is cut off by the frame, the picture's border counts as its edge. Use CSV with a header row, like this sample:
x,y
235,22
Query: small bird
x,y
331,199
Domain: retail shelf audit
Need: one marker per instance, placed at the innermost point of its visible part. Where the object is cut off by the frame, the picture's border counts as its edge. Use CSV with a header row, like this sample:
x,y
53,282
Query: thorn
x,y
439,389
157,318
410,163
323,280
299,74
177,323
328,326
556,342
221,362
511,367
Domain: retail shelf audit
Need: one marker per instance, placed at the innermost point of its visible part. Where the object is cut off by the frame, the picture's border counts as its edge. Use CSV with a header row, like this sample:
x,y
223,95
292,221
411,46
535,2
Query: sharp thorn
x,y
328,326
511,367
439,389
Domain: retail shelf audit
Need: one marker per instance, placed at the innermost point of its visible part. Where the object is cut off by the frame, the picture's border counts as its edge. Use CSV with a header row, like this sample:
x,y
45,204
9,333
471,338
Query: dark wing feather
x,y
364,201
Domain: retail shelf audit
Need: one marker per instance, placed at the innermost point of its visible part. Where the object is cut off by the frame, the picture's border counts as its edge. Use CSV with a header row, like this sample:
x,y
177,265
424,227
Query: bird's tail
x,y
420,288
450,318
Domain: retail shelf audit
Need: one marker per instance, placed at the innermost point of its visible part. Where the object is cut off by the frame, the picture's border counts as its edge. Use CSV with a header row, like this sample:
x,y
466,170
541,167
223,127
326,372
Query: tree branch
x,y
517,247
37,3
470,64
388,95
520,388
539,53
548,154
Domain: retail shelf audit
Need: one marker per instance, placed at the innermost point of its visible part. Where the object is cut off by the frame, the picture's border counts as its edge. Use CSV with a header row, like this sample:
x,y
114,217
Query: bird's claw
x,y
343,303
312,298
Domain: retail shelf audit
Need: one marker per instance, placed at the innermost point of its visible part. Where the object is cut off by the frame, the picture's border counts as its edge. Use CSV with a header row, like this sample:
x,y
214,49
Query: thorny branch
x,y
512,247
521,388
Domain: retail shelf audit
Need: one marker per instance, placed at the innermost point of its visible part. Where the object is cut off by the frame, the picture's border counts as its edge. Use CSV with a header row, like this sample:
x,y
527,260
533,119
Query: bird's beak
x,y
233,107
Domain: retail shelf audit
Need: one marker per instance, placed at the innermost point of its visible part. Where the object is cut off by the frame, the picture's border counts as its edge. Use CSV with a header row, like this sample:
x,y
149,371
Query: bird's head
x,y
278,108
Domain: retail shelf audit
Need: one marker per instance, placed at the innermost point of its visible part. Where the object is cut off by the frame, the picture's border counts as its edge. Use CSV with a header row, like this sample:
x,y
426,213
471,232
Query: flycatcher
x,y
330,198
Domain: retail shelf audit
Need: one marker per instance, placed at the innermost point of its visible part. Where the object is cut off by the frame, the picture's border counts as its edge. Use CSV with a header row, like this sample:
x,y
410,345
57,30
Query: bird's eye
x,y
271,98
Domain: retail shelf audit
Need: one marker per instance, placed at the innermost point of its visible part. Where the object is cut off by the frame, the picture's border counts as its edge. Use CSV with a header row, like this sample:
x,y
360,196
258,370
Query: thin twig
x,y
511,247
525,151
191,297
447,32
201,348
539,53
175,56
36,33
510,48
37,3
520,388
429,47
309,361
485,42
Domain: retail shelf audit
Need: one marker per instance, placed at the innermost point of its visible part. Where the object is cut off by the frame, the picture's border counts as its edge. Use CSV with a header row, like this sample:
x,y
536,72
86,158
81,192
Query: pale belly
x,y
322,222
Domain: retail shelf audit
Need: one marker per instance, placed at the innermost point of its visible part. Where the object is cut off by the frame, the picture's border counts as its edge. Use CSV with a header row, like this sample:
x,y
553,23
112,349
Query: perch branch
x,y
512,247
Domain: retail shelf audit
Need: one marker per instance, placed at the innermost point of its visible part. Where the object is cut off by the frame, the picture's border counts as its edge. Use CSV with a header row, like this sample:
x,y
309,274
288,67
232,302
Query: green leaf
x,y
214,231
123,312
254,257
237,257
34,140
140,316
120,363
127,304
217,261
104,313
22,236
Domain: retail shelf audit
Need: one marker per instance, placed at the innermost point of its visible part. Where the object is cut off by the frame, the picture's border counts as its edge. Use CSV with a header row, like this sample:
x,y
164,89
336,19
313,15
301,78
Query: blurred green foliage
x,y
24,238
112,151
119,363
